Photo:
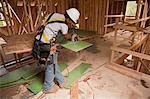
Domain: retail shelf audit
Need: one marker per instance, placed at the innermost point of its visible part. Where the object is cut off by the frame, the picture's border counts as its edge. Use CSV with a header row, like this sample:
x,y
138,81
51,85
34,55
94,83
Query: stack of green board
x,y
18,76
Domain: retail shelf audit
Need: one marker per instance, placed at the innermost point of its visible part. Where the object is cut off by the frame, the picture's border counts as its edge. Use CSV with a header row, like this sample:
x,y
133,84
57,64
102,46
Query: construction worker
x,y
56,22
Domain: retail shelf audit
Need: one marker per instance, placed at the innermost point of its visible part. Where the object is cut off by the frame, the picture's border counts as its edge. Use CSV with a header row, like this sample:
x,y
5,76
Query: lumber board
x,y
116,16
138,20
74,91
133,48
132,28
5,16
128,72
106,16
127,51
9,17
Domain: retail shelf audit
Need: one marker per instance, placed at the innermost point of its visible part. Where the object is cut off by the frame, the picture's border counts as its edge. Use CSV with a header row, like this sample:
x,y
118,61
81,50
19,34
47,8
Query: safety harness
x,y
40,50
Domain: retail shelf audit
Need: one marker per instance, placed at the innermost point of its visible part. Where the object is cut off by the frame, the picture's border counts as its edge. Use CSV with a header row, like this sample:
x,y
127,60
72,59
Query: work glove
x,y
53,49
74,37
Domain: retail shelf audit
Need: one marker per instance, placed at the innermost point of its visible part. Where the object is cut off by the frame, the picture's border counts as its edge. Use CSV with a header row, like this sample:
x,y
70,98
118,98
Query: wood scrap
x,y
74,91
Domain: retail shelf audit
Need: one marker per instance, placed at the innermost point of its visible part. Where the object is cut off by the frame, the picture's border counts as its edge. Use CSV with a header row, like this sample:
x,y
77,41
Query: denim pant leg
x,y
58,75
49,77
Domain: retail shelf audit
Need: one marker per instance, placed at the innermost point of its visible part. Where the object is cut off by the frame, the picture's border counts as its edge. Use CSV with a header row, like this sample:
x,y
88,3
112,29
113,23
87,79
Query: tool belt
x,y
40,49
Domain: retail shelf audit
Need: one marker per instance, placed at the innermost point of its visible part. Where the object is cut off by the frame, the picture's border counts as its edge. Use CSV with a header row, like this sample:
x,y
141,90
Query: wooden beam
x,y
138,20
26,15
144,14
128,72
133,48
147,68
5,16
10,19
114,16
136,54
37,18
114,41
30,17
18,19
130,37
107,10
132,28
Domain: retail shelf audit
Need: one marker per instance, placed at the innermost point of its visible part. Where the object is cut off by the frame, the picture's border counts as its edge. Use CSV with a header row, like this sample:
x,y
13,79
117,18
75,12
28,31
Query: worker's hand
x,y
53,49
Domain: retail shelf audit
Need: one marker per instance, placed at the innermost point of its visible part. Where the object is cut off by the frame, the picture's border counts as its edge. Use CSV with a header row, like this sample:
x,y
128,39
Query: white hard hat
x,y
74,14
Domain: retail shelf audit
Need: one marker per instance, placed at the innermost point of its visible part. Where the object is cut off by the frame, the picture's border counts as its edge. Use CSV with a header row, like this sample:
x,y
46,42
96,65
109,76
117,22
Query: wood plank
x,y
115,16
26,15
30,17
133,48
132,28
106,16
10,19
38,16
5,16
126,51
128,72
74,91
138,20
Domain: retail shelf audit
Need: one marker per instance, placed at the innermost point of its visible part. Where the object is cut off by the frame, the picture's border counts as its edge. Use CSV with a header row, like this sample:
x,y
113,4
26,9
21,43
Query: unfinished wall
x,y
92,12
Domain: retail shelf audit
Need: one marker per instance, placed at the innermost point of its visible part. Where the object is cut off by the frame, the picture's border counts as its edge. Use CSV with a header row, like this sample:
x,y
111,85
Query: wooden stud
x,y
26,15
30,17
114,41
106,20
10,19
6,19
38,15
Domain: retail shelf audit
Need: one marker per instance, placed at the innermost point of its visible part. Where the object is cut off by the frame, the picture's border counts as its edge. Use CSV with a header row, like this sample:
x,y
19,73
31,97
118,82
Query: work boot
x,y
54,89
62,85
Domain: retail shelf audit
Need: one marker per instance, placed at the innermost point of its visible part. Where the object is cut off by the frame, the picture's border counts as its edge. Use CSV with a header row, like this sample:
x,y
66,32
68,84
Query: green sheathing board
x,y
32,73
37,85
15,75
76,74
21,81
19,76
76,46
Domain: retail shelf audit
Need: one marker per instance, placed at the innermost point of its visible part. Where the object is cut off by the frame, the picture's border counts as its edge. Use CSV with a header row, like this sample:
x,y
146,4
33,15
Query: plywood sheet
x,y
76,46
76,74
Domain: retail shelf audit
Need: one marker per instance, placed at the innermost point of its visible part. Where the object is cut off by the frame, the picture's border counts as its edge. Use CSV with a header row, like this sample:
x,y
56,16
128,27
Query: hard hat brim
x,y
75,21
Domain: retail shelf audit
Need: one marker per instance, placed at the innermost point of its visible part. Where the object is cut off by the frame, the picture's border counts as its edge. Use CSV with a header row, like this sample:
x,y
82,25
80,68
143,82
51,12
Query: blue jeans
x,y
51,74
